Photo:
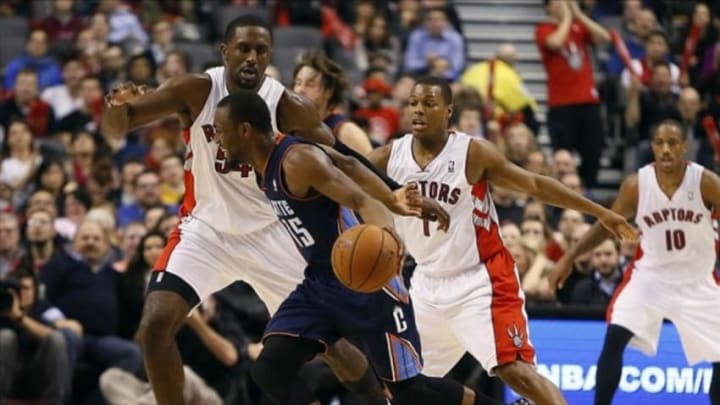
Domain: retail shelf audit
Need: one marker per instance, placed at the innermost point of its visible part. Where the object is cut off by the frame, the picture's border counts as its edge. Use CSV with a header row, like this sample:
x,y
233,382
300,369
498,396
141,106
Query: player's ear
x,y
223,49
246,127
449,111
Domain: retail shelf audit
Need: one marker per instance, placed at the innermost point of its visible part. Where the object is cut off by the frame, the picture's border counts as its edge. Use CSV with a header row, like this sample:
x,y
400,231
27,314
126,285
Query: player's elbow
x,y
536,187
347,164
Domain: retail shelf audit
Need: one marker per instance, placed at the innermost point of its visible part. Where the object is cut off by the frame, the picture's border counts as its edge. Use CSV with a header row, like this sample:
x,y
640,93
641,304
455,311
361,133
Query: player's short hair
x,y
247,20
669,122
248,106
445,89
333,77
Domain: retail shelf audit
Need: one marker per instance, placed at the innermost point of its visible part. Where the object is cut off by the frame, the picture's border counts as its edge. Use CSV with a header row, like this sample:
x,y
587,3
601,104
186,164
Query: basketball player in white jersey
x,y
465,288
228,231
673,274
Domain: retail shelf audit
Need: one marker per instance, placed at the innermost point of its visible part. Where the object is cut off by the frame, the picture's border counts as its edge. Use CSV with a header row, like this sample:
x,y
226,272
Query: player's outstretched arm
x,y
399,201
128,107
485,160
307,167
625,205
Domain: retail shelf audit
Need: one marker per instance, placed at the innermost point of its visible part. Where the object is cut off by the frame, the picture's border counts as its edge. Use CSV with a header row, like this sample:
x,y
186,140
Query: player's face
x,y
228,137
309,83
669,148
428,112
247,55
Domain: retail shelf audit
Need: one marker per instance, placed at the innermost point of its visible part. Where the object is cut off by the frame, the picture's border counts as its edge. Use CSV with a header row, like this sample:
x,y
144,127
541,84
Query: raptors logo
x,y
221,164
516,335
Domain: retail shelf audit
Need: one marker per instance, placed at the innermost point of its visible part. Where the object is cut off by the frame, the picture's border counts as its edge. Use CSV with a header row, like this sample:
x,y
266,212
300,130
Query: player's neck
x,y
432,146
670,178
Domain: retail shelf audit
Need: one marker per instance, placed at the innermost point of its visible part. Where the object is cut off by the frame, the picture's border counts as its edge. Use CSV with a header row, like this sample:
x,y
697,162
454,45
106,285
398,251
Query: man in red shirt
x,y
574,119
383,119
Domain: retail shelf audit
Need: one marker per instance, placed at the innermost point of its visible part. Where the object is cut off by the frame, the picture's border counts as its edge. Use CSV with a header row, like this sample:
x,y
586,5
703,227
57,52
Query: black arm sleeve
x,y
347,151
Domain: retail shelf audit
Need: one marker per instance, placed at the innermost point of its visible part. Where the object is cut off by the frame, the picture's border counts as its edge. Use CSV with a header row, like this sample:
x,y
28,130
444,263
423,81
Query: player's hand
x,y
407,201
618,226
560,274
433,211
124,93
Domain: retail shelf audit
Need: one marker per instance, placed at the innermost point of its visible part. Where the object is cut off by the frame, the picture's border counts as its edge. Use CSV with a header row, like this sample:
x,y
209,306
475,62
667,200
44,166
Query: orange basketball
x,y
366,257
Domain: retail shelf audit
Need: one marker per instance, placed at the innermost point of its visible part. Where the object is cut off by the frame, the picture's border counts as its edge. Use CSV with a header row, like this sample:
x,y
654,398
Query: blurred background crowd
x,y
83,216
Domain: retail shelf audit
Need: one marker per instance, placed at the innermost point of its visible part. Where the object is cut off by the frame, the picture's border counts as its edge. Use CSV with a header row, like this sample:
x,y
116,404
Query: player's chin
x,y
246,84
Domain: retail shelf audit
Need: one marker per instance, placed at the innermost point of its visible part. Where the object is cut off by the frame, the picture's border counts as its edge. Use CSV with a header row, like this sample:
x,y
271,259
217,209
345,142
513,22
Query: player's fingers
x,y
443,221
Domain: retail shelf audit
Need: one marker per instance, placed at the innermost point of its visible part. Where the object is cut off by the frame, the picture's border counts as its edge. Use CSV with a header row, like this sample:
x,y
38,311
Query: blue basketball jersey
x,y
381,324
313,221
334,121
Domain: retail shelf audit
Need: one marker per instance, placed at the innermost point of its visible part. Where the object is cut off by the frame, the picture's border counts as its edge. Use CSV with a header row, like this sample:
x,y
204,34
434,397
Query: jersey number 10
x,y
674,240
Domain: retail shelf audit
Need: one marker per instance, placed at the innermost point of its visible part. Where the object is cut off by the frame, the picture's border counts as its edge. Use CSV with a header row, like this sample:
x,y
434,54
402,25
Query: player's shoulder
x,y
631,183
292,98
482,148
709,179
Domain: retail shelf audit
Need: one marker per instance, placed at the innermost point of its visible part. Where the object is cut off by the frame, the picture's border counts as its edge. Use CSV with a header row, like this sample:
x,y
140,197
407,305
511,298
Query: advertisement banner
x,y
567,353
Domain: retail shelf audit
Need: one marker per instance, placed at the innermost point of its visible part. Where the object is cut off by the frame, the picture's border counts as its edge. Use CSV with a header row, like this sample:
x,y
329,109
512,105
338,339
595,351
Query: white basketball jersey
x,y
678,241
227,198
474,227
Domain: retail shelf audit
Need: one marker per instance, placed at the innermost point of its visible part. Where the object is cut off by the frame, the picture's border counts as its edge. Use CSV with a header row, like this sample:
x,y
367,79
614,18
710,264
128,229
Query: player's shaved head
x,y
247,20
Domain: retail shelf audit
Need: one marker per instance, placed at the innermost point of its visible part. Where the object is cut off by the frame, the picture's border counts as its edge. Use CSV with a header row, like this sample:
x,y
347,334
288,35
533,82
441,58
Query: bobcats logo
x,y
516,335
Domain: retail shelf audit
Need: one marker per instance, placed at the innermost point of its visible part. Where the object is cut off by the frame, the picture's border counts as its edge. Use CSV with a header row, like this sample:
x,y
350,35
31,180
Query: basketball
x,y
366,257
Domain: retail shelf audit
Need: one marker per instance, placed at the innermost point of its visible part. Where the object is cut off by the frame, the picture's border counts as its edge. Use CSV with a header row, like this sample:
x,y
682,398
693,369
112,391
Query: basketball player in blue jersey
x,y
323,81
306,189
673,274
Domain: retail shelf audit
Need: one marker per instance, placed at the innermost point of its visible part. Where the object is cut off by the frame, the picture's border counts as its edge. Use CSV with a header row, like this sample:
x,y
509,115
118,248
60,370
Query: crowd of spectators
x,y
84,215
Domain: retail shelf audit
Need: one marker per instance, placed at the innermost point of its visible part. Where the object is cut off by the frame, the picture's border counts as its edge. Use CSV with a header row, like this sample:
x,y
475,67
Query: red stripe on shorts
x,y
510,323
625,280
162,261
